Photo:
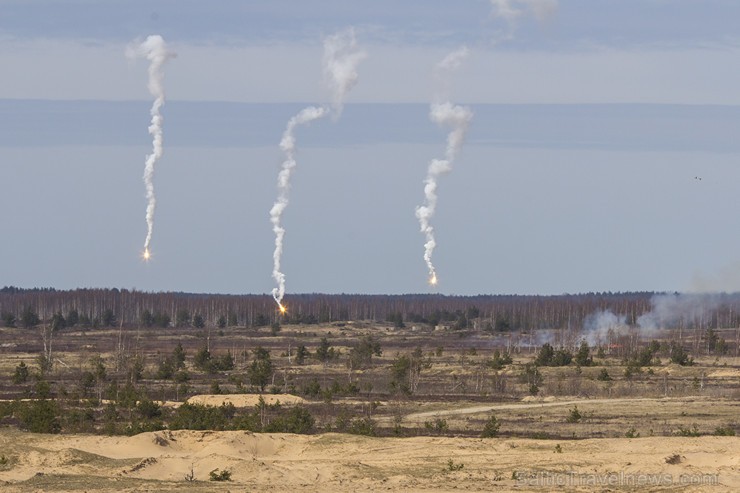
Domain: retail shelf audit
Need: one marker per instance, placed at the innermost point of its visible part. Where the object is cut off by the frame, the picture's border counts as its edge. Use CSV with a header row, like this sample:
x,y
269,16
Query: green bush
x,y
604,376
574,416
727,431
296,420
490,429
363,426
41,416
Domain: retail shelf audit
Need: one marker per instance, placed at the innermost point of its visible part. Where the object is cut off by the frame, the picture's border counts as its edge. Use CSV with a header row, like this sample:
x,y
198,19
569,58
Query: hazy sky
x,y
604,152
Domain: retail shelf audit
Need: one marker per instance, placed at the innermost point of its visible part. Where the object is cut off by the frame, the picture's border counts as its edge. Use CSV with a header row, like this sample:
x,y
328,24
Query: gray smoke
x,y
670,310
597,326
341,58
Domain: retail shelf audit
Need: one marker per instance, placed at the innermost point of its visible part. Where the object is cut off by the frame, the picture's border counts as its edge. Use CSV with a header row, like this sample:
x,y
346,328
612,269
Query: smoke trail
x,y
155,50
340,61
287,145
448,115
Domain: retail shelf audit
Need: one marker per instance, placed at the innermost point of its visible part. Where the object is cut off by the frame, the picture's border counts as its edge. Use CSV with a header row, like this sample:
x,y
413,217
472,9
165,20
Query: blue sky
x,y
581,169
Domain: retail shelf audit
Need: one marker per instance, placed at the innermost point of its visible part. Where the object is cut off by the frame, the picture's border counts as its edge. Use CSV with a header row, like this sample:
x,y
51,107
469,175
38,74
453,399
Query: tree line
x,y
123,307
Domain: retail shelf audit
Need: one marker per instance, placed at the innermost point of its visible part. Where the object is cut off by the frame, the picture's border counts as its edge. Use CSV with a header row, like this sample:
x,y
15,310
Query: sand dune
x,y
160,461
244,400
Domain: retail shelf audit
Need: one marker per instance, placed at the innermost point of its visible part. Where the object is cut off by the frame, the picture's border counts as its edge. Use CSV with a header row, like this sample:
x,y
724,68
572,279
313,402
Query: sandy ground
x,y
160,461
244,400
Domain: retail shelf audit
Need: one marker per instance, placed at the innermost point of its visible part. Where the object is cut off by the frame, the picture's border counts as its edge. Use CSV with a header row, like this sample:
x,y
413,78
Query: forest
x,y
125,308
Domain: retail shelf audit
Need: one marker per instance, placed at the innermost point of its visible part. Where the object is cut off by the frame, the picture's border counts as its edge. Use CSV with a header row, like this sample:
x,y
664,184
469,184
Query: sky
x,y
602,154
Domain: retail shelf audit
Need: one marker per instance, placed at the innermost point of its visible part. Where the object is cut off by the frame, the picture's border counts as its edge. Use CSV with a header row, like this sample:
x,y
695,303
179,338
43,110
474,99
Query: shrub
x,y
39,416
363,426
297,420
490,429
438,426
603,376
688,432
724,432
574,416
220,475
451,466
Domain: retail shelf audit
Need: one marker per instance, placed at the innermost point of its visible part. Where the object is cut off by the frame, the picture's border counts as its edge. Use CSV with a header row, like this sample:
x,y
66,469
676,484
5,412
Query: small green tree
x,y
182,318
603,376
301,354
361,355
178,354
544,355
679,355
8,319
261,370
29,318
108,318
574,416
583,357
490,429
21,373
198,321
73,317
202,359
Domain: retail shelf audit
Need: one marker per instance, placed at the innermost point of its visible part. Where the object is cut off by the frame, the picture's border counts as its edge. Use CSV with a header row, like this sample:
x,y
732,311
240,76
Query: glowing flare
x,y
433,280
282,308
146,255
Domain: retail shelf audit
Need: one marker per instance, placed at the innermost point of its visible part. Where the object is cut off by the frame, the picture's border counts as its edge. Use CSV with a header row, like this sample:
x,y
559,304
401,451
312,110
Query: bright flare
x,y
433,280
282,308
146,255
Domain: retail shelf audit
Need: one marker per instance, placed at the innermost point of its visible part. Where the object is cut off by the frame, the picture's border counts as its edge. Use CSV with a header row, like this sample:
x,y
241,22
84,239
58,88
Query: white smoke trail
x,y
155,50
287,144
340,61
448,115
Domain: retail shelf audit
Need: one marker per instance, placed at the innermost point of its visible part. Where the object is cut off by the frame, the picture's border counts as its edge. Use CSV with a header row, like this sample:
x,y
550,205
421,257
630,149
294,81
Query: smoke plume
x,y
670,310
155,50
340,61
458,118
598,325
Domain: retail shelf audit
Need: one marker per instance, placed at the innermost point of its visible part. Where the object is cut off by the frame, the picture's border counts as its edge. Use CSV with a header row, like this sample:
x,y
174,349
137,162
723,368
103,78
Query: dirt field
x,y
161,461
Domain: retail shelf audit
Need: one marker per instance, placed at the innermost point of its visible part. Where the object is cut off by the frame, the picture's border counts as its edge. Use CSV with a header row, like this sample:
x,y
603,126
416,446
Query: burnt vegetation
x,y
125,362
